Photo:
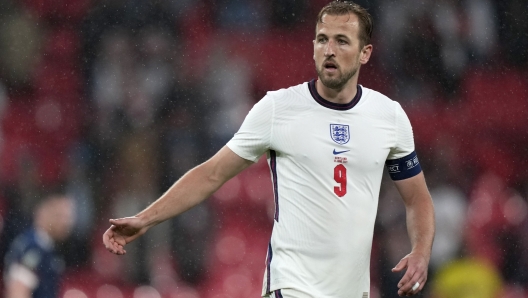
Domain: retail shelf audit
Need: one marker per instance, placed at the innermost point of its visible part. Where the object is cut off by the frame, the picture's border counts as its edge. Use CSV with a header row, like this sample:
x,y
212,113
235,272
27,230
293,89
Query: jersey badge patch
x,y
340,133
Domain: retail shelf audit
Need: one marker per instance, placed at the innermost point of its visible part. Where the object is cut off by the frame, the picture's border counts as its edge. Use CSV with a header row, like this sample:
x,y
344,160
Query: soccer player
x,y
326,142
32,266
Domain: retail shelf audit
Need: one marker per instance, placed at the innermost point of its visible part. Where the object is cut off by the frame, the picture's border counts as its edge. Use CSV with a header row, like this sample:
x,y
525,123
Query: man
x,y
326,142
32,267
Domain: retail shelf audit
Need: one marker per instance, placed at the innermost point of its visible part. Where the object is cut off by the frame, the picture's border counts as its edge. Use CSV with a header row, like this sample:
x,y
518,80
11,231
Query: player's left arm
x,y
421,228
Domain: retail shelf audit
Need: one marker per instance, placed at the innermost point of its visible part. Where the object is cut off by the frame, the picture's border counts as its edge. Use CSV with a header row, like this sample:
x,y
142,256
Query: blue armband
x,y
405,167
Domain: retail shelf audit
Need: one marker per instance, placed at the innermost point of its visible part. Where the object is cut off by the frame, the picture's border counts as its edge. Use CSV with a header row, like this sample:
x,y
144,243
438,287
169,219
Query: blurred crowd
x,y
112,101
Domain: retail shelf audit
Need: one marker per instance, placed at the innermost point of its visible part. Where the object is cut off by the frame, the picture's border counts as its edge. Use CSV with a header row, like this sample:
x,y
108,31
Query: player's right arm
x,y
191,189
246,147
405,170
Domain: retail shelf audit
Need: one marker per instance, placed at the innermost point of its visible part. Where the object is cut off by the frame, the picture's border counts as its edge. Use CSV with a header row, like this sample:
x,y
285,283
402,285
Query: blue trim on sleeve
x,y
268,267
405,167
273,166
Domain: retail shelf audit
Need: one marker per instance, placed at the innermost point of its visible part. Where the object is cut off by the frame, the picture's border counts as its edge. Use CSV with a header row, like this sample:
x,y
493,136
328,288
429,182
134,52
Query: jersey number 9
x,y
340,177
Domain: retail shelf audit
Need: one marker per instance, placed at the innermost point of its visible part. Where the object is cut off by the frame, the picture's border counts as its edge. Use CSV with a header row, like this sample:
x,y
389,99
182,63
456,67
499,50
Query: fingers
x,y
121,232
400,266
110,242
118,221
411,283
117,248
415,276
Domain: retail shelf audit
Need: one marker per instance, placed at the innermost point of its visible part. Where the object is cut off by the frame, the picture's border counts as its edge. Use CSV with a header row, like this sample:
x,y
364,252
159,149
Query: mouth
x,y
329,65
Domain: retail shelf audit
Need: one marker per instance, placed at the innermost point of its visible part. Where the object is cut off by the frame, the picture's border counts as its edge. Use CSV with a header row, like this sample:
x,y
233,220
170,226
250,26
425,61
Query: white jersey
x,y
326,163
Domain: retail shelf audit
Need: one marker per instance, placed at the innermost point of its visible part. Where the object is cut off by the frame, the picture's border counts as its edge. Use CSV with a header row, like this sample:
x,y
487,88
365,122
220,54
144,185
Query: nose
x,y
329,49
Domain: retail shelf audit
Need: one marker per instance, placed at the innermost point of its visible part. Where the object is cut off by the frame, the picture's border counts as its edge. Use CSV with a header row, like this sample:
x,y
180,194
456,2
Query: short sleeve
x,y
404,144
22,262
254,136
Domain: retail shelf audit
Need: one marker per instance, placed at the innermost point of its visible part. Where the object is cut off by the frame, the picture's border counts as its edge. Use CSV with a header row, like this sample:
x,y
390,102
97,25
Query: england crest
x,y
340,133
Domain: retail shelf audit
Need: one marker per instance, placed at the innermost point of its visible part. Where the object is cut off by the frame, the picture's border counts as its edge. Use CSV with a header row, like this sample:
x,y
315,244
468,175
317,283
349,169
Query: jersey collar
x,y
331,105
44,239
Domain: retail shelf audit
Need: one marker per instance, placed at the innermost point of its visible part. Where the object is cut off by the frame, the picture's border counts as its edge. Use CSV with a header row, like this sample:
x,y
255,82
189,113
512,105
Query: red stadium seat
x,y
65,10
62,46
278,65
60,80
497,101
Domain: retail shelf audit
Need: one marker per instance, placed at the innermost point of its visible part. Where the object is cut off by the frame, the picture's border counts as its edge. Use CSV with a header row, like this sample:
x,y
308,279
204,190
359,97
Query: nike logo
x,y
339,152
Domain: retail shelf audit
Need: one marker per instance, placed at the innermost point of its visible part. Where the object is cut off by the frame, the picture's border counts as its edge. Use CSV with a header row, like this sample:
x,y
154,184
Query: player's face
x,y
338,53
62,218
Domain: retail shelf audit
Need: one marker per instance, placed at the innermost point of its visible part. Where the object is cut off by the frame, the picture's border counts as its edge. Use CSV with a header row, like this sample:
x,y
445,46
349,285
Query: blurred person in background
x,y
446,38
321,227
32,265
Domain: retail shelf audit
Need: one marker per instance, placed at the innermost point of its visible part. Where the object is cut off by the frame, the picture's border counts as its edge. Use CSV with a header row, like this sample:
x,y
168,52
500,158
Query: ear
x,y
313,41
365,54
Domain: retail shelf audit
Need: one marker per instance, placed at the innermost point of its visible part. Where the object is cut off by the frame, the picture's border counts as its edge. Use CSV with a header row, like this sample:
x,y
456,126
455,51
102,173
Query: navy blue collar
x,y
331,105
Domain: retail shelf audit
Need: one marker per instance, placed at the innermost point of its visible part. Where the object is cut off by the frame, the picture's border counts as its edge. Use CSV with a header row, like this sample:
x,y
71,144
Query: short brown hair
x,y
340,7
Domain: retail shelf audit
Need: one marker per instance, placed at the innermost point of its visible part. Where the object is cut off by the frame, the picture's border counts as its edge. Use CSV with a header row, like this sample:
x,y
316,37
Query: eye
x,y
342,42
322,39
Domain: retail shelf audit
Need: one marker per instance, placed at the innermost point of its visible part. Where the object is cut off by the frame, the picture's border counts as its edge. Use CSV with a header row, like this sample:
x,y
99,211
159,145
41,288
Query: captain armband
x,y
403,168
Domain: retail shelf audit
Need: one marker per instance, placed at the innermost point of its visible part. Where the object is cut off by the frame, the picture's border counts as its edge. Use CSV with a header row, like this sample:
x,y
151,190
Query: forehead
x,y
61,204
347,24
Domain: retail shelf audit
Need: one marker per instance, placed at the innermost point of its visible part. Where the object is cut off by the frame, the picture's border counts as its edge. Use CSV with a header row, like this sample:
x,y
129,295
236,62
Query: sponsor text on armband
x,y
405,167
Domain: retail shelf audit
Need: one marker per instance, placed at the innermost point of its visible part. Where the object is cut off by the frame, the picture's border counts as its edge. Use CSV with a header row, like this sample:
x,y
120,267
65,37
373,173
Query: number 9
x,y
340,177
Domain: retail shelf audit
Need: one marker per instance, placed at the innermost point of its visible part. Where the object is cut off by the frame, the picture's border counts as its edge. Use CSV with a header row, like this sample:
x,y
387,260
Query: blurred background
x,y
114,100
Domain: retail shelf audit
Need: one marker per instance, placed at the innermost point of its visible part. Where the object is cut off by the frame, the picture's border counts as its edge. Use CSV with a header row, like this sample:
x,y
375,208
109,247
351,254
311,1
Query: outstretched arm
x,y
421,228
191,189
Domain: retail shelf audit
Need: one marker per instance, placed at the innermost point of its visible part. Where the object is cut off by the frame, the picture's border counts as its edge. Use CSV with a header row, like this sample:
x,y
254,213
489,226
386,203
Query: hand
x,y
416,265
122,231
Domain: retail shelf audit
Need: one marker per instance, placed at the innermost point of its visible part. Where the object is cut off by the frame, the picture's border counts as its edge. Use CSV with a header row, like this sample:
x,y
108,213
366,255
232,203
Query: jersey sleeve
x,y
402,161
404,144
254,136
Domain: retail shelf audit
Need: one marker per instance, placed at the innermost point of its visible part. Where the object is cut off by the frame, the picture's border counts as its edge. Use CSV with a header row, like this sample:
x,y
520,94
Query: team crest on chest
x,y
340,133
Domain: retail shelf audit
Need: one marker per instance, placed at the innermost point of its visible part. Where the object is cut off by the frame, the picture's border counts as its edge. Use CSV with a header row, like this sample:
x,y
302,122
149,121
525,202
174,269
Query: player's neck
x,y
340,96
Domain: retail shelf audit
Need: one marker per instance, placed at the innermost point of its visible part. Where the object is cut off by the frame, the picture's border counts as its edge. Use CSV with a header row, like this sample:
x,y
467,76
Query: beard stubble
x,y
338,82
